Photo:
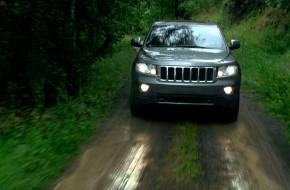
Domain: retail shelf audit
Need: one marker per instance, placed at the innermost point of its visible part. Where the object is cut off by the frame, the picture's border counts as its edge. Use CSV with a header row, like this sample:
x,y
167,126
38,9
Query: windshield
x,y
191,36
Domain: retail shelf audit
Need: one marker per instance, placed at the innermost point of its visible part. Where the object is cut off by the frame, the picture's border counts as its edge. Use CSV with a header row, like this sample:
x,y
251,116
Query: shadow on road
x,y
197,114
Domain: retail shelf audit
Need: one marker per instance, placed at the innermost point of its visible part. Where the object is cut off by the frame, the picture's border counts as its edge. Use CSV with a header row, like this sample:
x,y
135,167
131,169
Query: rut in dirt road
x,y
117,157
129,152
247,154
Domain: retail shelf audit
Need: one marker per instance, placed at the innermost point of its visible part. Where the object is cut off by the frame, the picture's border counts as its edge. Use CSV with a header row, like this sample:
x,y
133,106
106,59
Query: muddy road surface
x,y
129,152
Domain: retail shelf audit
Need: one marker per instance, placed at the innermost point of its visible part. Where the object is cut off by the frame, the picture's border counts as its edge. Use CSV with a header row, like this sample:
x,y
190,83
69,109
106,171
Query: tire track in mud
x,y
245,154
118,156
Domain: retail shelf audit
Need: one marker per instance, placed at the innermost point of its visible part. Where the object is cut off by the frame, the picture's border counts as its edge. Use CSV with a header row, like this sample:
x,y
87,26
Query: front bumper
x,y
207,94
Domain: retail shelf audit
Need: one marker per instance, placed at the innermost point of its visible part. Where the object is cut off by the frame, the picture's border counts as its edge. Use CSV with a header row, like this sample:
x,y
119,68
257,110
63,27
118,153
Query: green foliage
x,y
264,58
192,8
236,10
168,10
279,45
149,11
35,147
47,47
283,4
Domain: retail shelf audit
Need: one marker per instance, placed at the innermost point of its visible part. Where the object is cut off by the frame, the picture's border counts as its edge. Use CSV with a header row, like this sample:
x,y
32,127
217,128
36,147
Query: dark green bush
x,y
283,4
189,9
236,10
277,42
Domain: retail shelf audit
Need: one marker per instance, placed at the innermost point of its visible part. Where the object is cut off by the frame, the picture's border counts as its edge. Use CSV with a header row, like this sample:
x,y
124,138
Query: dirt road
x,y
247,154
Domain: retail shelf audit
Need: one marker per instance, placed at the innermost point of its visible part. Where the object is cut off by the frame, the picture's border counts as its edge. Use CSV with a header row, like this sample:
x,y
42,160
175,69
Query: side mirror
x,y
235,44
136,42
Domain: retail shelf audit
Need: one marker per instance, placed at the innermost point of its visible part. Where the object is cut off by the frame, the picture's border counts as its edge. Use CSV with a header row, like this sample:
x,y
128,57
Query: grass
x,y
182,158
35,147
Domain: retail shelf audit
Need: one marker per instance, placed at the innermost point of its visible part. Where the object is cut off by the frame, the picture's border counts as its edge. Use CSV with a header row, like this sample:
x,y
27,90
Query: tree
x,y
47,47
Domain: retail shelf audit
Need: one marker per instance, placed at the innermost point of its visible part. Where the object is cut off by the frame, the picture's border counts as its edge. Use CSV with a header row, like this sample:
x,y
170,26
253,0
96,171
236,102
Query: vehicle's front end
x,y
185,76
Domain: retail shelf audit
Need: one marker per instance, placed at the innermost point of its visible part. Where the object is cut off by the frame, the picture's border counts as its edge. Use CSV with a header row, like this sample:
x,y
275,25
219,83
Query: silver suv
x,y
185,63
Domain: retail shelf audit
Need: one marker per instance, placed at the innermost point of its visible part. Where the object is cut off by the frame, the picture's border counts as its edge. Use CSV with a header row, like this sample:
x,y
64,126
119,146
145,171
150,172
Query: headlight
x,y
226,71
146,68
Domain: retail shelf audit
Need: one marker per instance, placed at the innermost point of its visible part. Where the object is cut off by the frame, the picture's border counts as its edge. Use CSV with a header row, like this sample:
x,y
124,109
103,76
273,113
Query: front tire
x,y
135,107
233,112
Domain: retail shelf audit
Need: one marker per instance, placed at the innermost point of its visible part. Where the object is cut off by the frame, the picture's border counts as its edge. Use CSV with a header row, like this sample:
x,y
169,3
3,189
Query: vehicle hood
x,y
185,54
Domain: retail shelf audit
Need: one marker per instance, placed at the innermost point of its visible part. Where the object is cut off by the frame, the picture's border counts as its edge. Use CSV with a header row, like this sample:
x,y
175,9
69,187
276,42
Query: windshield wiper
x,y
193,47
150,45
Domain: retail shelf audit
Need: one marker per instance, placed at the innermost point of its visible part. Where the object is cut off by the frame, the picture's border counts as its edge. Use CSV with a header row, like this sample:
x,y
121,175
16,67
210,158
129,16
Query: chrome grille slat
x,y
186,74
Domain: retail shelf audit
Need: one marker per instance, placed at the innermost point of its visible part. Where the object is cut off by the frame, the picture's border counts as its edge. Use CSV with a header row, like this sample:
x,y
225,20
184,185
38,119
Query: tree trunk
x,y
176,11
71,83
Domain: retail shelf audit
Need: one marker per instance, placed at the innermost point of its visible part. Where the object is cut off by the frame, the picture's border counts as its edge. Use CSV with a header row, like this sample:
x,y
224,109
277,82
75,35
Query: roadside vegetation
x,y
265,60
36,146
62,65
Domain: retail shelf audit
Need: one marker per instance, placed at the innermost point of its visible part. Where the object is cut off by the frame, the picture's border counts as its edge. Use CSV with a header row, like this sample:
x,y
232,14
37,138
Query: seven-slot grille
x,y
186,74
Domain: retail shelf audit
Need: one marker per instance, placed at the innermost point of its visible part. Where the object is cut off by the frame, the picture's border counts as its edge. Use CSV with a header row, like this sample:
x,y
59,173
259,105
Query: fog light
x,y
228,90
144,87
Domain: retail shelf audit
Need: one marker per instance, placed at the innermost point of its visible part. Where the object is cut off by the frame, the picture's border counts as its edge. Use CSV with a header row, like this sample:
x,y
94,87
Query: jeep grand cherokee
x,y
185,63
